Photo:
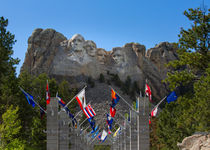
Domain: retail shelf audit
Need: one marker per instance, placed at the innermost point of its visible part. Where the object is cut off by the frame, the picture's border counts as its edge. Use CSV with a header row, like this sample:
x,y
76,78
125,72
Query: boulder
x,y
195,142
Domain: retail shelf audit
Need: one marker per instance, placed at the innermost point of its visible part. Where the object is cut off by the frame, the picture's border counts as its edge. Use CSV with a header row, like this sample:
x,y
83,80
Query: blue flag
x,y
171,97
92,123
29,98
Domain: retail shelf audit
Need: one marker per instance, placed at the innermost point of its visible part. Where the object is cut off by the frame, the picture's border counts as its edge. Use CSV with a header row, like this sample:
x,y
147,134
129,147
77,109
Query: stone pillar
x,y
121,139
133,130
63,130
115,143
124,135
74,139
52,124
128,136
144,141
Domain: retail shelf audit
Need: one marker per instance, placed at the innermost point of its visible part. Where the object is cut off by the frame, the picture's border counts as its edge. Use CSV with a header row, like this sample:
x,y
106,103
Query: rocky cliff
x,y
199,141
76,59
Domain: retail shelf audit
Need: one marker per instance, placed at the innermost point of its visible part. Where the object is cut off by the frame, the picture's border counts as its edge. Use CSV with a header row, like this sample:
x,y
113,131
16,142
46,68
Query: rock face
x,y
50,52
195,142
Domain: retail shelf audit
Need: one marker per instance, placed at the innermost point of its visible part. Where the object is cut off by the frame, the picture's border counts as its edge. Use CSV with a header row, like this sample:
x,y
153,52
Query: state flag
x,y
81,99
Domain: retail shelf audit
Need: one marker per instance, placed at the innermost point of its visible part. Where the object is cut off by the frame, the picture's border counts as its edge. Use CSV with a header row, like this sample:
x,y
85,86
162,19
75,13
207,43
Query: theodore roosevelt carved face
x,y
101,55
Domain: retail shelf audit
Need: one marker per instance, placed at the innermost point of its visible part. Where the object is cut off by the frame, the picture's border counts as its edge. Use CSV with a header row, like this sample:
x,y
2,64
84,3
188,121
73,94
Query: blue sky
x,y
109,23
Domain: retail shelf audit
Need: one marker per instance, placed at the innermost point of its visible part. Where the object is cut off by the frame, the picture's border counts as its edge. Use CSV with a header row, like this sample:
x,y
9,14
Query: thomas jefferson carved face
x,y
90,46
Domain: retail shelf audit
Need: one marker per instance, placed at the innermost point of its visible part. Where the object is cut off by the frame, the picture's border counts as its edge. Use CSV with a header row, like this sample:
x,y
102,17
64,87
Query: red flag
x,y
112,112
148,92
47,94
81,99
150,121
154,112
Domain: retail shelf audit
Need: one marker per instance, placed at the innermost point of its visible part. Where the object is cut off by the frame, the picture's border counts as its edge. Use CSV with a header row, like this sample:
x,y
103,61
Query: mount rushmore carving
x,y
52,53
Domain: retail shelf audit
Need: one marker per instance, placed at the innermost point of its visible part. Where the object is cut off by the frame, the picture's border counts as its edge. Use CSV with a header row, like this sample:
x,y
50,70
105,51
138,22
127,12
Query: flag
x,y
96,128
137,105
81,99
148,92
29,98
117,131
115,98
92,123
73,120
102,137
171,97
112,111
109,121
47,94
60,101
89,112
154,112
150,121
96,134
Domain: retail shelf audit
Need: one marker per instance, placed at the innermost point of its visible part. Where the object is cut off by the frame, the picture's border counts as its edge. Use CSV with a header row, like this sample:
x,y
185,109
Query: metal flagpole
x,y
83,122
74,97
123,117
123,99
32,99
160,101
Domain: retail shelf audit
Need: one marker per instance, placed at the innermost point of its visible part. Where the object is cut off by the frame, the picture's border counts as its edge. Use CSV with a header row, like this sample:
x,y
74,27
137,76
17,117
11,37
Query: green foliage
x,y
102,147
6,44
193,51
154,143
190,113
101,78
116,80
126,86
8,81
91,82
9,130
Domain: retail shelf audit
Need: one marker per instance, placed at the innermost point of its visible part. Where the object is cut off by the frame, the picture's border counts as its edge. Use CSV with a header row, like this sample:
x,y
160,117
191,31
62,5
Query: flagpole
x,y
83,122
123,117
124,100
93,140
32,100
74,97
161,101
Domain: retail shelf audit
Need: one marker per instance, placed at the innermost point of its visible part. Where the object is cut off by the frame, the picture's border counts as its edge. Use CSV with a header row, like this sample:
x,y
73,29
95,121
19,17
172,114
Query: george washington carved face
x,y
76,43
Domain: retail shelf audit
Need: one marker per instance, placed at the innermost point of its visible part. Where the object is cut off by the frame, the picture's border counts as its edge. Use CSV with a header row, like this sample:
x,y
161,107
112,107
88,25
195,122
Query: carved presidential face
x,y
101,55
90,46
118,56
77,43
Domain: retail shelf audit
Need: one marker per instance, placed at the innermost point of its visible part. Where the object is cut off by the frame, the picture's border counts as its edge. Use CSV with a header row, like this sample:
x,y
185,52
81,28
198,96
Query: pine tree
x,y
9,130
190,73
8,80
